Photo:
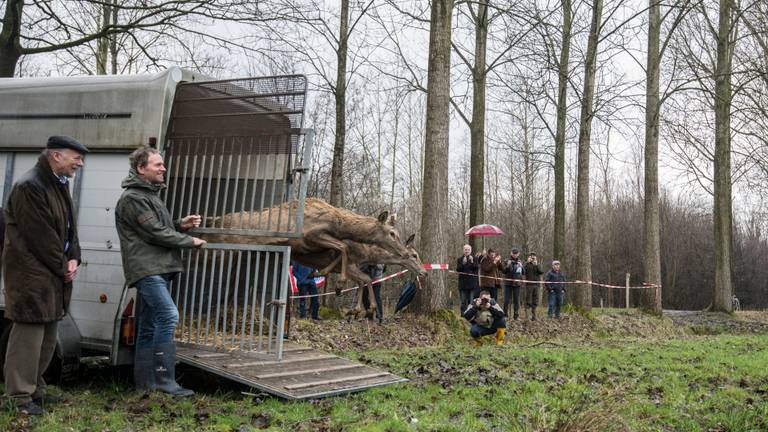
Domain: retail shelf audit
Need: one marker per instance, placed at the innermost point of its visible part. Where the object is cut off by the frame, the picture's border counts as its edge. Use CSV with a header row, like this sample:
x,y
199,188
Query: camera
x,y
484,301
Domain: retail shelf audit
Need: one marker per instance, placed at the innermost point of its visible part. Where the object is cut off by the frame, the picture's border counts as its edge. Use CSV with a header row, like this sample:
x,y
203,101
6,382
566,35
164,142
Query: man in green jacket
x,y
42,254
151,243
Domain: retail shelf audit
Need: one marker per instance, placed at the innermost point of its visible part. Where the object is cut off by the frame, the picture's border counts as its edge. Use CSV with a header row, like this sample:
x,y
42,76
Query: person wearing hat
x,y
150,245
513,273
532,275
555,290
40,262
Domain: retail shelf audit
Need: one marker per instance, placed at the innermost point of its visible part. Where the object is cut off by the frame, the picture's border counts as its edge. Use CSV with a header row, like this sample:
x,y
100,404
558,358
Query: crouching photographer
x,y
487,318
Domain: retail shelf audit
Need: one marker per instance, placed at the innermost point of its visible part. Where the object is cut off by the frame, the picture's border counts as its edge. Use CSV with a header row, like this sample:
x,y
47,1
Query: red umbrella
x,y
484,230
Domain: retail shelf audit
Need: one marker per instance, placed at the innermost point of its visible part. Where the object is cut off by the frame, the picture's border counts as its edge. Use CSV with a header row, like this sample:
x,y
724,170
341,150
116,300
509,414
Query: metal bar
x,y
234,192
218,297
239,114
273,297
264,189
287,78
226,298
191,181
255,96
202,178
263,301
211,284
272,195
218,183
253,194
245,297
285,186
283,302
202,295
174,214
308,143
243,208
226,185
254,300
234,294
175,178
185,288
210,182
244,247
192,298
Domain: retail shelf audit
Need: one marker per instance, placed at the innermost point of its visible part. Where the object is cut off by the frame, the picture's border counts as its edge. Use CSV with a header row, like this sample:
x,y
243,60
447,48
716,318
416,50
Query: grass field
x,y
678,381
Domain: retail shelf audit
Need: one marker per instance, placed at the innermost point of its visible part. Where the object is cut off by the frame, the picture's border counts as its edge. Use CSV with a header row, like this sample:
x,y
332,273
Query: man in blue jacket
x,y
306,285
555,289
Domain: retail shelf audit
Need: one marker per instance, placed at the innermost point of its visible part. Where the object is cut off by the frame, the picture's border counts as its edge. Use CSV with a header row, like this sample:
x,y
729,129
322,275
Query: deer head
x,y
413,261
386,235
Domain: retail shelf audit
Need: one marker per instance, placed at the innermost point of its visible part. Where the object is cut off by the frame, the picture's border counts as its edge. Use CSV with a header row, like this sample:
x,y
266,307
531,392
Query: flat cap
x,y
61,142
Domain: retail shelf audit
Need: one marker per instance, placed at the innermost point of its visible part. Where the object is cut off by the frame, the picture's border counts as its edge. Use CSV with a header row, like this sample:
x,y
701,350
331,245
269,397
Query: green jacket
x,y
150,241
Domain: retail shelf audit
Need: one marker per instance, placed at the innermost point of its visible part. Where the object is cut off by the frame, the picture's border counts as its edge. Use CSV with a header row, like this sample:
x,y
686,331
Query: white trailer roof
x,y
103,112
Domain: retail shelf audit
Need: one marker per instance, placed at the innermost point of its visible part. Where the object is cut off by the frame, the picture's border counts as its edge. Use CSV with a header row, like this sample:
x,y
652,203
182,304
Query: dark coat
x,y
473,313
555,276
150,241
532,271
39,222
513,269
488,271
467,281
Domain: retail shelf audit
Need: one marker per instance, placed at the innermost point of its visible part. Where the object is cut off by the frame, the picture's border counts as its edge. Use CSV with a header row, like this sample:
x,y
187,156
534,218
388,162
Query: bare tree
x,y
434,202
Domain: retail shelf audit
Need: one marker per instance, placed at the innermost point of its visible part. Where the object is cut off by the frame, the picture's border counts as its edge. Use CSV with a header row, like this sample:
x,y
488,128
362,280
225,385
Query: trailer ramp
x,y
303,372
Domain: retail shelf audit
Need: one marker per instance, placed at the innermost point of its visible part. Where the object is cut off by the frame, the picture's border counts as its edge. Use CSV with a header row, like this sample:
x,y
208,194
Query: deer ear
x,y
410,239
392,219
383,217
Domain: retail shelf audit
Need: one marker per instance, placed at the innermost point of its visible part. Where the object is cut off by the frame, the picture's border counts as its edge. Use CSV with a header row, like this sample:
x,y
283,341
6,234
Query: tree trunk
x,y
394,153
102,44
10,44
113,39
650,299
583,295
340,93
477,125
562,110
434,200
722,207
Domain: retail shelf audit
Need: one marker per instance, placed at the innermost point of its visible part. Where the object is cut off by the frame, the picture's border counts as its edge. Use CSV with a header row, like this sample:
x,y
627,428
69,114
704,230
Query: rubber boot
x,y
500,332
143,370
477,342
165,371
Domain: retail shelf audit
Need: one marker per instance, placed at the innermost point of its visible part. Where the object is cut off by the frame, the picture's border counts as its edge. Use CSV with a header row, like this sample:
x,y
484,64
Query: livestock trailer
x,y
230,146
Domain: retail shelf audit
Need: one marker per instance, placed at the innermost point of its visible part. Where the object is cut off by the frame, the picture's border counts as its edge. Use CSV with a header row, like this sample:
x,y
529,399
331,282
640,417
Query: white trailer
x,y
231,145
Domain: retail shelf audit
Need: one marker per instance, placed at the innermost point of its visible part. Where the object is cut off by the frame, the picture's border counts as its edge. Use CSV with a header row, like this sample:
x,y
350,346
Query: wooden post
x,y
626,299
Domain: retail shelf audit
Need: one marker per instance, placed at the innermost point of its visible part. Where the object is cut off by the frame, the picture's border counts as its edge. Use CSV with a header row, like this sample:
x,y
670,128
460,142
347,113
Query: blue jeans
x,y
314,303
157,312
555,302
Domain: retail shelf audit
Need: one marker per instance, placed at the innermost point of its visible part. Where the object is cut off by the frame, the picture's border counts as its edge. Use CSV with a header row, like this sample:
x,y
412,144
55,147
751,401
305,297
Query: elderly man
x,y
151,245
466,267
41,258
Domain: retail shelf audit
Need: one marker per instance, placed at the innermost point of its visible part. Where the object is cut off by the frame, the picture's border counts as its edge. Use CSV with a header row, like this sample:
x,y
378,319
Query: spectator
x,y
40,266
306,285
532,275
490,271
513,272
466,266
375,271
151,244
555,290
486,317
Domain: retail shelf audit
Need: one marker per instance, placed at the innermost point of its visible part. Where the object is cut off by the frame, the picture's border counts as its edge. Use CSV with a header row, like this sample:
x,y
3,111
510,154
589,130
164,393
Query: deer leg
x,y
372,300
330,267
326,241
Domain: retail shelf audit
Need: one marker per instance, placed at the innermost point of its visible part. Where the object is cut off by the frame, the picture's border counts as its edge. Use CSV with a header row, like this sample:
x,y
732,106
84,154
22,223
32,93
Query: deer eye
x,y
392,234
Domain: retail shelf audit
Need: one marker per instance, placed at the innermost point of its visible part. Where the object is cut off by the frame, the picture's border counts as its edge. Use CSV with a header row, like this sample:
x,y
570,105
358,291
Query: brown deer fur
x,y
361,254
325,230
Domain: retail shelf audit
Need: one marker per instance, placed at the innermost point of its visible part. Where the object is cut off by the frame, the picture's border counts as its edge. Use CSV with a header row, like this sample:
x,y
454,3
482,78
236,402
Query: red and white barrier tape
x,y
445,267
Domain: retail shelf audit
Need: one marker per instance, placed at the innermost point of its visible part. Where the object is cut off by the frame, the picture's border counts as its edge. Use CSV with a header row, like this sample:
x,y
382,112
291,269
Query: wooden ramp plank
x,y
302,374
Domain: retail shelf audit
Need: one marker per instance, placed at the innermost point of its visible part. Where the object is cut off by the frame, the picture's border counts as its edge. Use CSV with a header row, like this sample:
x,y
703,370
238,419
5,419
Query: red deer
x,y
325,230
360,254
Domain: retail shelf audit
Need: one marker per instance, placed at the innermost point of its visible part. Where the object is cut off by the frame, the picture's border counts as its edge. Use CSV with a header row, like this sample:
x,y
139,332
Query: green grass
x,y
692,383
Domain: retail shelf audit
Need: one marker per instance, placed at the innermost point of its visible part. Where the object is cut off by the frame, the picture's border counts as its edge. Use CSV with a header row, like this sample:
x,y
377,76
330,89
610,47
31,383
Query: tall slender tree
x,y
558,248
434,203
723,218
583,216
